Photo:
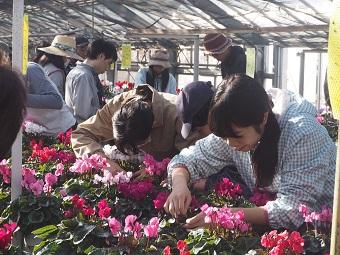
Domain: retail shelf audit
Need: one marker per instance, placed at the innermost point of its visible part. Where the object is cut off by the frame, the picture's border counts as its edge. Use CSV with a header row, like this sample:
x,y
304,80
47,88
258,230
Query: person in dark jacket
x,y
233,58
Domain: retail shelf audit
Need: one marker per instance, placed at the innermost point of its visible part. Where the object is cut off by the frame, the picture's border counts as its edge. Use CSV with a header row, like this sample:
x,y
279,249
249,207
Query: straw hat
x,y
64,46
216,43
160,58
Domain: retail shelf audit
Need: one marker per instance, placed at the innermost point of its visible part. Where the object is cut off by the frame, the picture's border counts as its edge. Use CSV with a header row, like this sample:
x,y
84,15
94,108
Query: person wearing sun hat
x,y
157,75
56,57
233,58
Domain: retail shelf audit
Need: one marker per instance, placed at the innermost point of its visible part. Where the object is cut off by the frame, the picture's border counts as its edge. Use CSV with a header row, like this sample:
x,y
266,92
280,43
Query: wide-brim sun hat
x,y
160,58
216,43
64,46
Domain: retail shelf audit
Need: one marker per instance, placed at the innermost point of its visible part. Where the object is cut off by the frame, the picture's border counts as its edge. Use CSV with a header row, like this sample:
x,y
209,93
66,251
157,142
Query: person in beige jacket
x,y
140,119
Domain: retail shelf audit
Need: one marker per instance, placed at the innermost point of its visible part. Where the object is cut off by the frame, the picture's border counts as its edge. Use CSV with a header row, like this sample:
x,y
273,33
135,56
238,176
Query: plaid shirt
x,y
305,169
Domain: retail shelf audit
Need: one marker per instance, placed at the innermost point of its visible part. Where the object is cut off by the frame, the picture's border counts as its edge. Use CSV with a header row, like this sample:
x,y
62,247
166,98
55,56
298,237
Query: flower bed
x,y
74,206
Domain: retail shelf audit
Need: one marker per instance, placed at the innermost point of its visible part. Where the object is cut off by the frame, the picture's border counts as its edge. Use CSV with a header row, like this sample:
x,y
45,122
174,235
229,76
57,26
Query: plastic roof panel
x,y
250,22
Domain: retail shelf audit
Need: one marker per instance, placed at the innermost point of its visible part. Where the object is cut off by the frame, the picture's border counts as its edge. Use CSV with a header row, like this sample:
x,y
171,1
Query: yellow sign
x,y
126,56
250,53
334,59
25,44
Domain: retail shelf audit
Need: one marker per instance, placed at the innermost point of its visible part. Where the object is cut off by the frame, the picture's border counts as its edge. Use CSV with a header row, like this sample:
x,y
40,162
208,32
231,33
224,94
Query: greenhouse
x,y
169,127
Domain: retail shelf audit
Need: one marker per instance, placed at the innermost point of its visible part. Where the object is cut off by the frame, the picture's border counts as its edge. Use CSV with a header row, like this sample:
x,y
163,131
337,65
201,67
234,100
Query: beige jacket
x,y
166,139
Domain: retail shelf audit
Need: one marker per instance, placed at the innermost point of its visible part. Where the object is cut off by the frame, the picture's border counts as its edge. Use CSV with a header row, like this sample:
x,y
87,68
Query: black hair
x,y
150,78
100,46
12,107
242,101
132,124
39,53
57,61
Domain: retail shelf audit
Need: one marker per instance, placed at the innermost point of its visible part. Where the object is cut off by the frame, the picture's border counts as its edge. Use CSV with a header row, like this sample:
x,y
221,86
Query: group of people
x,y
269,140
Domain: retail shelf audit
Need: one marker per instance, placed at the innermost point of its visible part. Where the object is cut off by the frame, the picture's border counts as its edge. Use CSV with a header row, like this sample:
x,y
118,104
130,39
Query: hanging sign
x,y
126,56
334,59
25,44
334,94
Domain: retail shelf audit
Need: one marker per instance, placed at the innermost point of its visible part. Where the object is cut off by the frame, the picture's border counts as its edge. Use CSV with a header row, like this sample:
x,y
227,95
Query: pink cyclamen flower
x,y
37,187
114,225
60,170
151,230
5,171
50,179
320,119
304,210
130,222
28,177
68,214
63,192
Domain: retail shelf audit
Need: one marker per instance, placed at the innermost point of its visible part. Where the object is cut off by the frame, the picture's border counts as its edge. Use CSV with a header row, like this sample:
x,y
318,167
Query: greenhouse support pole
x,y
17,59
196,57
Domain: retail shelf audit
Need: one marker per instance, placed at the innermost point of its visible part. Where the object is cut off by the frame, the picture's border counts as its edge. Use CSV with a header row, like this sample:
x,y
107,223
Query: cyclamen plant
x,y
6,232
77,206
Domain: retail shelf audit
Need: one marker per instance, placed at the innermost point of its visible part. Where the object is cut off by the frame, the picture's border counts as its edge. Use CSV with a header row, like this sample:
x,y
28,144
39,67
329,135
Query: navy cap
x,y
190,102
82,41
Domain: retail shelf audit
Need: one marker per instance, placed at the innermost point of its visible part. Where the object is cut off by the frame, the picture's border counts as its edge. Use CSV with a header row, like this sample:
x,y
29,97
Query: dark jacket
x,y
236,62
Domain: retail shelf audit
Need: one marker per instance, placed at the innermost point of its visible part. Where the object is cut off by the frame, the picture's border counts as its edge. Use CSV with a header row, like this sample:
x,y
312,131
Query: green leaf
x,y
44,232
35,217
72,223
81,232
198,247
50,248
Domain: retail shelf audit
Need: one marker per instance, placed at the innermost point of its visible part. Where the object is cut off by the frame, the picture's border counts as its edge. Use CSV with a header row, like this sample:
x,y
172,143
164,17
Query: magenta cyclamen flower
x,y
6,235
153,167
227,188
160,200
135,190
114,225
260,197
151,230
104,209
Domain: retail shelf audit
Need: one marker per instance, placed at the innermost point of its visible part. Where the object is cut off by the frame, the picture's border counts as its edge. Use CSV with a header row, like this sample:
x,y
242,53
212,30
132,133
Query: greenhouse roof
x,y
288,23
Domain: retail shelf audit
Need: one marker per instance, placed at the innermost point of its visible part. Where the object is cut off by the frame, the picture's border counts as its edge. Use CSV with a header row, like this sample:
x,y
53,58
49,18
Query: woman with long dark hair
x,y
276,144
157,75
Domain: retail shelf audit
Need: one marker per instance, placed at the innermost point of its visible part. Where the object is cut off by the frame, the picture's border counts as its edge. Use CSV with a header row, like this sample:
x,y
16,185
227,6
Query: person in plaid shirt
x,y
276,144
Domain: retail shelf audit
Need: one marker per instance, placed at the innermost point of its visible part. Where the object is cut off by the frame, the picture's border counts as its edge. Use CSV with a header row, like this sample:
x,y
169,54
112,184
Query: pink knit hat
x,y
216,43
